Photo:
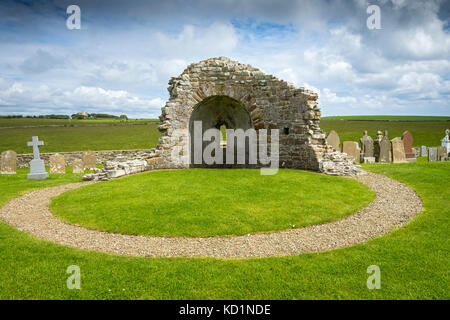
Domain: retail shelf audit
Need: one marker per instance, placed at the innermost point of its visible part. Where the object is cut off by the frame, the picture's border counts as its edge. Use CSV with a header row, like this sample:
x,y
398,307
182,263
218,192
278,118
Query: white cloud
x,y
214,40
91,99
324,46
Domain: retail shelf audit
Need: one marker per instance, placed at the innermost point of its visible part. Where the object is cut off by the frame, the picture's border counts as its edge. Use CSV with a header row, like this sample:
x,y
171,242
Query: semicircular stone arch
x,y
214,112
271,103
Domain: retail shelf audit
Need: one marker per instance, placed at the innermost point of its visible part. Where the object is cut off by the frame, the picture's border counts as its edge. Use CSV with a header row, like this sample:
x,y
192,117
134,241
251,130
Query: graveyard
x,y
149,222
411,256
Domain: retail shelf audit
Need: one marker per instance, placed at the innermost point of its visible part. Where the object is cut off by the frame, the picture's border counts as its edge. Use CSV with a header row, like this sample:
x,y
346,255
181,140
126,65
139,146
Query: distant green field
x,y
65,139
428,133
18,122
117,136
390,118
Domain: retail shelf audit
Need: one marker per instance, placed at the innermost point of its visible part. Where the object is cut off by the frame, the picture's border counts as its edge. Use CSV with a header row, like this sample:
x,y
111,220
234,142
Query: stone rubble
x,y
114,169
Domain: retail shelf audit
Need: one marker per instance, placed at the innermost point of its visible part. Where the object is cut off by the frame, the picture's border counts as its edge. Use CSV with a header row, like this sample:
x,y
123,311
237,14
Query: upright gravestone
x,y
407,143
89,160
432,154
442,153
398,150
376,146
57,163
367,148
385,149
37,166
8,162
423,151
445,142
77,166
351,148
333,140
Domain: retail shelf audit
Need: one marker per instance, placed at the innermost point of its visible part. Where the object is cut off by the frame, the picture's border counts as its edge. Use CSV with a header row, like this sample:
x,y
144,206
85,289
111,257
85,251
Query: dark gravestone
x,y
376,146
366,145
407,143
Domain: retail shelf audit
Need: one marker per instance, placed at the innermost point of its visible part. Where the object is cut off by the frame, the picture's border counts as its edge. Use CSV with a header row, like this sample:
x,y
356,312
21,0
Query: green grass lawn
x,y
428,133
62,139
210,202
414,260
389,118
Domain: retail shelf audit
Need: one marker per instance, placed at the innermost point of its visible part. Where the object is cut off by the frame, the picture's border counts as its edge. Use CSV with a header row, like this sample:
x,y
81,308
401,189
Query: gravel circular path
x,y
395,204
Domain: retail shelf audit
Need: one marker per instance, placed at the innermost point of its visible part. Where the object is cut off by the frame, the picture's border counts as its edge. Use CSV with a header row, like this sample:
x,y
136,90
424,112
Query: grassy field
x,y
60,139
63,139
210,202
428,133
18,122
413,260
389,118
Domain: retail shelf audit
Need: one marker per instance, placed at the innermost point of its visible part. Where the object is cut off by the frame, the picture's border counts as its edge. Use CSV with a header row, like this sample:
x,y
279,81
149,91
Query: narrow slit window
x,y
223,136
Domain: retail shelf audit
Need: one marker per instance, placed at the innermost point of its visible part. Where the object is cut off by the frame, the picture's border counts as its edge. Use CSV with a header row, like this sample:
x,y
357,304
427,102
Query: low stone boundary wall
x,y
23,160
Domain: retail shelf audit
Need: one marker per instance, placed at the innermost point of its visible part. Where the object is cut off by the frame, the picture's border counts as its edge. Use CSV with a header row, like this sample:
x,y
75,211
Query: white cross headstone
x,y
446,141
37,166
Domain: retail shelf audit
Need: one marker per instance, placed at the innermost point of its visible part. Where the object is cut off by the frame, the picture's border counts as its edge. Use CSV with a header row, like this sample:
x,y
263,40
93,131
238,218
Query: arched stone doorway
x,y
216,112
215,89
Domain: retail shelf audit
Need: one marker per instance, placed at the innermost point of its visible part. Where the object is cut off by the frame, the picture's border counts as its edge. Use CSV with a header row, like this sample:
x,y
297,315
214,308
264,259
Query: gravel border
x,y
395,204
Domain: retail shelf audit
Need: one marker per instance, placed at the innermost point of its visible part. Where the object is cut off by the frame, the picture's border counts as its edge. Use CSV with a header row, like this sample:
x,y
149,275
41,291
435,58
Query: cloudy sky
x,y
126,51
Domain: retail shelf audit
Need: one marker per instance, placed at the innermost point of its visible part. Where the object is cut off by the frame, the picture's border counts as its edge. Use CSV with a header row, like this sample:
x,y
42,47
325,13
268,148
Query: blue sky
x,y
126,51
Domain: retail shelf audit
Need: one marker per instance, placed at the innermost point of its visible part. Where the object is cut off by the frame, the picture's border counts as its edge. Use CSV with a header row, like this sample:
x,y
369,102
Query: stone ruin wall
x,y
271,103
23,160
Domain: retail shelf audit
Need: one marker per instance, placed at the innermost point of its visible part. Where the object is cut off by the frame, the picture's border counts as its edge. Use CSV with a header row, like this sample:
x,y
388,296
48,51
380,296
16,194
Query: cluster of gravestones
x,y
383,150
57,162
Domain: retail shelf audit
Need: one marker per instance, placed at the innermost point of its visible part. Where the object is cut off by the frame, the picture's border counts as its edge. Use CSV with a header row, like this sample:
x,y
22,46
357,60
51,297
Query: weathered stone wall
x,y
23,160
271,103
266,103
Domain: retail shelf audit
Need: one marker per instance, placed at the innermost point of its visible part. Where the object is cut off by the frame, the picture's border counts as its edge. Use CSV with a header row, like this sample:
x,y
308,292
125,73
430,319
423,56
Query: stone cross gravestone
x,y
407,142
366,146
445,142
57,163
398,150
8,162
333,140
77,166
385,149
423,151
432,154
37,166
351,148
89,160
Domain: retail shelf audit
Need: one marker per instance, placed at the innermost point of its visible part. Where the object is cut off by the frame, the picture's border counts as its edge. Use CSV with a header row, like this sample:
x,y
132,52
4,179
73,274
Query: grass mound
x,y
210,202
